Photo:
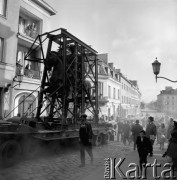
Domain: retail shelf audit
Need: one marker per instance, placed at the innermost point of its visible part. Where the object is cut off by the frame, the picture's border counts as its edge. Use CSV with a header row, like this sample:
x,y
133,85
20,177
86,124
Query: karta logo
x,y
112,168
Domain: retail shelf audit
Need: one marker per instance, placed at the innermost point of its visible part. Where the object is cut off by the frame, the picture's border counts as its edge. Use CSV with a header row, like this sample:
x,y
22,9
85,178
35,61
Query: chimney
x,y
118,71
111,65
103,57
168,88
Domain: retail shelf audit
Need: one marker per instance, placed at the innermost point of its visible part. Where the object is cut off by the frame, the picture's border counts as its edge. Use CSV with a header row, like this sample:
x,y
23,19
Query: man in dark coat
x,y
136,128
85,139
151,132
143,144
170,129
172,146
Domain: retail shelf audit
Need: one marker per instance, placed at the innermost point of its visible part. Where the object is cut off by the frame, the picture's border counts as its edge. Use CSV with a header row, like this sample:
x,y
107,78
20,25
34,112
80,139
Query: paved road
x,y
132,157
64,166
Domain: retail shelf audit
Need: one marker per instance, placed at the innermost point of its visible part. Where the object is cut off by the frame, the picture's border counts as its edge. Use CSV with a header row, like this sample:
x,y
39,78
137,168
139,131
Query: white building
x,y
108,88
118,96
130,98
20,22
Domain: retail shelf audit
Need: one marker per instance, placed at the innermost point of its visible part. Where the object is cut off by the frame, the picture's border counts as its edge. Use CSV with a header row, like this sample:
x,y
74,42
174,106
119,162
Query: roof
x,y
45,6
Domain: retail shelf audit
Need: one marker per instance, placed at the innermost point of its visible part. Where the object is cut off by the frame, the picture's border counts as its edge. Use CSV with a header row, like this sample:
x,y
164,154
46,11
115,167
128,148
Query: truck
x,y
69,88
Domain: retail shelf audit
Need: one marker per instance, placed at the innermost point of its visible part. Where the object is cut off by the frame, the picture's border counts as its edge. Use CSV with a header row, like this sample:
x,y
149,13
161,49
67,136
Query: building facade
x,y
118,96
130,98
20,23
108,89
167,101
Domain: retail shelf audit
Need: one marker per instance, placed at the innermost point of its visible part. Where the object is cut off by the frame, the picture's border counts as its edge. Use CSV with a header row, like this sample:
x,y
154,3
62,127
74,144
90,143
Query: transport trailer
x,y
69,88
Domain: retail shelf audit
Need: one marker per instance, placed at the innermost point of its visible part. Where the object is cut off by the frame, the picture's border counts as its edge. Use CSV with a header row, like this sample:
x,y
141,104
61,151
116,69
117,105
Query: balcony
x,y
28,27
29,73
32,74
29,33
102,100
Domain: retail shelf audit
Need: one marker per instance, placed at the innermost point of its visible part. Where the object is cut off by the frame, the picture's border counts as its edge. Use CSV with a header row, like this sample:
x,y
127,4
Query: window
x,y
118,94
109,91
114,110
111,73
114,93
28,26
3,6
1,49
106,69
100,90
30,69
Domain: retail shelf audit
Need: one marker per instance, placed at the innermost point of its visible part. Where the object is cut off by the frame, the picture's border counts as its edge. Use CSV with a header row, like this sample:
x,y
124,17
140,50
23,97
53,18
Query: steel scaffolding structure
x,y
70,79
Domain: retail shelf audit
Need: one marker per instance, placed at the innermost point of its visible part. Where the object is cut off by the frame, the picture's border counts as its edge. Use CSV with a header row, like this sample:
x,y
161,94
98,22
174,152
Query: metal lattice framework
x,y
70,77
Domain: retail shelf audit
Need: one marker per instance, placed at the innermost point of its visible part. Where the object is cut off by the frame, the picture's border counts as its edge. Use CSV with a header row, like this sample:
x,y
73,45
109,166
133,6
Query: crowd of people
x,y
144,138
128,131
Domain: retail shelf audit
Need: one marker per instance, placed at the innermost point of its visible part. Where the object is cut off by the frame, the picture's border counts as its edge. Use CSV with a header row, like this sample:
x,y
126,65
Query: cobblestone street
x,y
62,166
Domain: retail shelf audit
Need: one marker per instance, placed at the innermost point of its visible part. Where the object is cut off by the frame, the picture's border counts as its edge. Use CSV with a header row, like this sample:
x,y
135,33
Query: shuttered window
x,y
3,7
1,49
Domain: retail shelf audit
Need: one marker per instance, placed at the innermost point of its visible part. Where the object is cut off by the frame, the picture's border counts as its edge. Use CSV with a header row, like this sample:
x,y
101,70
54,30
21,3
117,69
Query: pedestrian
x,y
143,145
126,132
136,128
157,127
151,133
169,129
172,147
85,139
161,136
119,134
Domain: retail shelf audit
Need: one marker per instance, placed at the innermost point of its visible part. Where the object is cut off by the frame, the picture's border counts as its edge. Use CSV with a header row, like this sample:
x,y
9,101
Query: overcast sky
x,y
132,32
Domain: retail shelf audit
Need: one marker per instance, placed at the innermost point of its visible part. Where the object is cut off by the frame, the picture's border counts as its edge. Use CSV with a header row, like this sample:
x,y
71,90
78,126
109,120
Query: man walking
x,y
136,128
170,128
126,132
85,139
143,144
151,132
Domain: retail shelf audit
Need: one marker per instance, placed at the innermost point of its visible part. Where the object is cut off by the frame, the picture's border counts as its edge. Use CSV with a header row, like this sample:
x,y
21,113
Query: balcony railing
x,y
29,30
102,100
32,74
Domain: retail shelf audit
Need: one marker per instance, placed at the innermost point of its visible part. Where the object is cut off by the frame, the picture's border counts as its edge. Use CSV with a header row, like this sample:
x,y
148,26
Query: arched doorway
x,y
26,105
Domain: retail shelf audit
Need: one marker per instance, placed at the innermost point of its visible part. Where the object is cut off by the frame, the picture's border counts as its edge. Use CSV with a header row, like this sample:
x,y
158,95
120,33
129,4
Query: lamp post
x,y
156,69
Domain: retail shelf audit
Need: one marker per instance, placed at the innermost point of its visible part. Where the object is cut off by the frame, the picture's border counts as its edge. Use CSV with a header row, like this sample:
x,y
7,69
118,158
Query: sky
x,y
132,32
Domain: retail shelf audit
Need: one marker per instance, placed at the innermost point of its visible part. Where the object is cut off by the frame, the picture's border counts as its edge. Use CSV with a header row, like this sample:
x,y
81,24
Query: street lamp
x,y
156,69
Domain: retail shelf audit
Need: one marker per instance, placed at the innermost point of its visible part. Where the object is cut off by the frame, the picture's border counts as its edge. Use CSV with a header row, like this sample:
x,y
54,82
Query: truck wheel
x,y
106,138
98,140
10,152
